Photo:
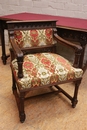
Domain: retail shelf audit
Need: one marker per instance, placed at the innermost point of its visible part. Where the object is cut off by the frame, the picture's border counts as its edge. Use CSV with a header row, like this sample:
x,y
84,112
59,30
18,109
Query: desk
x,y
70,28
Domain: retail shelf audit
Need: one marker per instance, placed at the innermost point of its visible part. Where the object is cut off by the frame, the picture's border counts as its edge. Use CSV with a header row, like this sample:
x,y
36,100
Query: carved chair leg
x,y
21,107
13,83
74,99
19,100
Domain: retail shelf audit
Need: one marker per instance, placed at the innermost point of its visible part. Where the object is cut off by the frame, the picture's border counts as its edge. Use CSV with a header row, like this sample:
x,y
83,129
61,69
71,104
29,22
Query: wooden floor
x,y
47,112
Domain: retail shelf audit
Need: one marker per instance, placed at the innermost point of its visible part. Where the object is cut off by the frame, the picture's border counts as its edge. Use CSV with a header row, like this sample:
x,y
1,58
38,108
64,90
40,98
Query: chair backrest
x,y
34,38
33,35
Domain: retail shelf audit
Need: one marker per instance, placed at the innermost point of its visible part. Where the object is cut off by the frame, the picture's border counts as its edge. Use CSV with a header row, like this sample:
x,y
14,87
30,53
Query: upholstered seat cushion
x,y
44,69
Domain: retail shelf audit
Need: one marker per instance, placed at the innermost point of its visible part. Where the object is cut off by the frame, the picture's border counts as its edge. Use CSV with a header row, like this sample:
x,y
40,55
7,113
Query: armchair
x,y
35,63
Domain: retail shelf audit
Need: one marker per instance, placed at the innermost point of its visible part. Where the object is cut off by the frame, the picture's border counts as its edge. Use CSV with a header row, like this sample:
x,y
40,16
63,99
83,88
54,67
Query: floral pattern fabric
x,y
45,68
33,38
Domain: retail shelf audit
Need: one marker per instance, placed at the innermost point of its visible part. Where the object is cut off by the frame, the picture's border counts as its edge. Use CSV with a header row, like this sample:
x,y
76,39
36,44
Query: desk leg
x,y
4,56
83,44
82,57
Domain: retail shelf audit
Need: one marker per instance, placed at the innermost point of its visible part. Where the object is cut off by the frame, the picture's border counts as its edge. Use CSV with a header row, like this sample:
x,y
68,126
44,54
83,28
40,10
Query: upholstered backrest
x,y
34,38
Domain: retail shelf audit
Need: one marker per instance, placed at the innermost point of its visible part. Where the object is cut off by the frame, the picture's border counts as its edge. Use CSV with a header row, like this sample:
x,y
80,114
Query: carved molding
x,y
30,25
77,36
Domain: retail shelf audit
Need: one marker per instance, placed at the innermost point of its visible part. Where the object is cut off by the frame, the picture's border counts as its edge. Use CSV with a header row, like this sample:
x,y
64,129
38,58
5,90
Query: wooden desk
x,y
70,28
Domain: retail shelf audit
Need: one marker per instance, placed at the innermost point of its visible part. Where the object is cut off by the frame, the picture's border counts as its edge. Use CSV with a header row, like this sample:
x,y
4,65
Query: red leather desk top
x,y
63,22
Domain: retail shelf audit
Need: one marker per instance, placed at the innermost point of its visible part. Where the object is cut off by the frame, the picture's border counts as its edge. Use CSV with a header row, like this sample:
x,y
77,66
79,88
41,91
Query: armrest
x,y
16,49
19,55
68,43
75,47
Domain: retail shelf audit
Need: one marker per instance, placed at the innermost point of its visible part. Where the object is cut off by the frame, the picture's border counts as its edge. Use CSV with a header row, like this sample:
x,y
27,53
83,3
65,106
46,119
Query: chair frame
x,y
15,51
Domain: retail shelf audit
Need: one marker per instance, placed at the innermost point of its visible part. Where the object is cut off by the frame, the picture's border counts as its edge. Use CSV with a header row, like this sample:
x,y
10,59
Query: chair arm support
x,y
76,48
19,55
68,43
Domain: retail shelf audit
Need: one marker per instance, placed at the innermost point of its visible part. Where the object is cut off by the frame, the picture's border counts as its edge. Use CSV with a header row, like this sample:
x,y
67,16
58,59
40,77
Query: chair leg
x,y
19,100
74,99
13,83
20,104
21,107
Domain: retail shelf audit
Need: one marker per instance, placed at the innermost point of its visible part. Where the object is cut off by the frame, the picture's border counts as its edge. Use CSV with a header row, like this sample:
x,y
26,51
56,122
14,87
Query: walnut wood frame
x,y
16,52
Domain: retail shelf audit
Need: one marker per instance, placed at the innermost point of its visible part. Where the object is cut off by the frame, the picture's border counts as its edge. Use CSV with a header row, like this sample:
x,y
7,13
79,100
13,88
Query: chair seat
x,y
43,69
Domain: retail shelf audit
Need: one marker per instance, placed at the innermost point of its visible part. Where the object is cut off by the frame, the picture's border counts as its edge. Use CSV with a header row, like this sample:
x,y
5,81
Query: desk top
x,y
62,22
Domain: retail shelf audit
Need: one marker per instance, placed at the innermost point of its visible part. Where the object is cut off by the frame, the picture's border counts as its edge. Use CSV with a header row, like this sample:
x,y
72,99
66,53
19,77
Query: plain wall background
x,y
70,8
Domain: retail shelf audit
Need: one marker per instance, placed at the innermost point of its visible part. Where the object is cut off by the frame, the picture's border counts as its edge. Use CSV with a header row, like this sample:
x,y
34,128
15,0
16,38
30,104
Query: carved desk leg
x,y
83,42
2,28
2,43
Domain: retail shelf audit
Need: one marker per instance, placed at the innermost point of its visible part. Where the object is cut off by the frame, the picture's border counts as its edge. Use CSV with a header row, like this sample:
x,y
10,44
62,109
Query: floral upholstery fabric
x,y
45,68
32,38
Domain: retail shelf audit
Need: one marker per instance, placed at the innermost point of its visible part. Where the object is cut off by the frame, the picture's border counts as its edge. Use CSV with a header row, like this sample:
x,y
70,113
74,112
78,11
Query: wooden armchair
x,y
35,63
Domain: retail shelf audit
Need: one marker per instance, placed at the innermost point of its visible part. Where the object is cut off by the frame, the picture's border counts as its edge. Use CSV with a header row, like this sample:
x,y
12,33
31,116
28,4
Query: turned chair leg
x,y
21,107
19,100
13,84
74,100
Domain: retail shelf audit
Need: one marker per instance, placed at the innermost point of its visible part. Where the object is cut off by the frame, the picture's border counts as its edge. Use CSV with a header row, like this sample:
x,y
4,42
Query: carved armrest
x,y
75,47
19,55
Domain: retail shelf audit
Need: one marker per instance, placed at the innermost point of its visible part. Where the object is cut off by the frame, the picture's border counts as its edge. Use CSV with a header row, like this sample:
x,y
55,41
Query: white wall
x,y
70,8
